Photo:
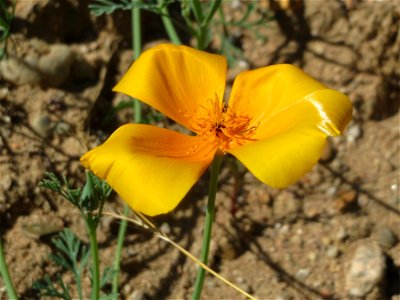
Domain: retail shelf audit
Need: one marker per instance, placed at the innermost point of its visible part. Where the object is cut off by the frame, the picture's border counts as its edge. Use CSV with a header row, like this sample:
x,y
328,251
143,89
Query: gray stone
x,y
165,228
62,128
18,72
338,53
312,256
42,125
137,295
366,274
341,234
385,238
332,251
302,274
56,65
353,133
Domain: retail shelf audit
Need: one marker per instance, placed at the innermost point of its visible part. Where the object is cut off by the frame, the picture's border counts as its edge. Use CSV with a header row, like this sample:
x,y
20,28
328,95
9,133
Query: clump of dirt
x,y
311,240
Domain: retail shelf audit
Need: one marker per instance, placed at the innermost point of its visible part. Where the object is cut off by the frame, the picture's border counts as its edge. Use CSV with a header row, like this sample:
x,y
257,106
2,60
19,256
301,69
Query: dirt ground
x,y
332,235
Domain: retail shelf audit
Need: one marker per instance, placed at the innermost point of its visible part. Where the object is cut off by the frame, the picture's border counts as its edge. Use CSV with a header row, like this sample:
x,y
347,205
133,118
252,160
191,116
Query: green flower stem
x,y
137,106
137,48
120,243
216,165
79,283
94,252
168,25
204,22
214,6
197,10
12,294
186,14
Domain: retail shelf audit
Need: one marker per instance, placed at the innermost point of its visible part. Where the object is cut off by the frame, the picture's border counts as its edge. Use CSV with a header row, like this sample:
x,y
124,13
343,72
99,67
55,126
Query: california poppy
x,y
276,123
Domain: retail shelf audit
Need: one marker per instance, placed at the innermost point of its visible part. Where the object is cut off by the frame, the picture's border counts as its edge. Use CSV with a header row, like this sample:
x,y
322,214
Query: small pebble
x,y
239,67
56,65
346,200
240,280
341,234
282,297
18,72
366,272
386,238
62,128
353,133
312,256
40,46
131,252
127,289
302,274
6,119
165,228
137,295
395,200
326,240
332,251
363,200
42,125
243,64
235,4
285,228
4,92
35,231
311,210
5,182
331,191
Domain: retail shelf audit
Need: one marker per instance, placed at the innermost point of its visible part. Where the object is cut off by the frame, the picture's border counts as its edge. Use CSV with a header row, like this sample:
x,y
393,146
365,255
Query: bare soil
x,y
296,243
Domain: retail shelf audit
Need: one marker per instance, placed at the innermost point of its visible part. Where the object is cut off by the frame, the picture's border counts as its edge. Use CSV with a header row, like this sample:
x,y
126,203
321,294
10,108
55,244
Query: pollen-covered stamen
x,y
220,125
235,130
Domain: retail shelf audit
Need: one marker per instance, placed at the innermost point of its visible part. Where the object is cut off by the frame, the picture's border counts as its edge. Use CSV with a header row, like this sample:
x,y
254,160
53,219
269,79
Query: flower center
x,y
220,125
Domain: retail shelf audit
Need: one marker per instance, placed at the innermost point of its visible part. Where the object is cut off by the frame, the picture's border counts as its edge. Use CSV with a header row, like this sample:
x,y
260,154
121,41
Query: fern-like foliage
x,y
70,255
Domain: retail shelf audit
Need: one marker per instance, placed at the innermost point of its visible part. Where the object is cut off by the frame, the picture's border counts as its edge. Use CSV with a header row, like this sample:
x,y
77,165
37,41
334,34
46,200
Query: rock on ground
x,y
367,271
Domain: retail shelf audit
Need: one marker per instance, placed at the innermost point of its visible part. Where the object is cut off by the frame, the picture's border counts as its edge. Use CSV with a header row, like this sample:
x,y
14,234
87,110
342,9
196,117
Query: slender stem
x,y
202,38
212,191
94,252
137,48
203,28
214,6
198,10
12,294
78,279
168,25
120,244
185,12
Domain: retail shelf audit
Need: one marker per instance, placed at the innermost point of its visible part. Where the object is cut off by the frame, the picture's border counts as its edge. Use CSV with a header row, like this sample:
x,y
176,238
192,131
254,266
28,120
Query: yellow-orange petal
x,y
280,160
326,110
175,80
289,141
263,92
149,167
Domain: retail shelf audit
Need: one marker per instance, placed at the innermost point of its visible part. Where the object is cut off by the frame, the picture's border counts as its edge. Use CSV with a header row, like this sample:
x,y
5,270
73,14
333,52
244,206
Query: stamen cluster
x,y
220,125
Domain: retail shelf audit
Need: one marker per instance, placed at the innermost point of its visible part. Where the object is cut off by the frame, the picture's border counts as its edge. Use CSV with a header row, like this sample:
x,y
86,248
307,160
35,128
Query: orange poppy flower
x,y
276,124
